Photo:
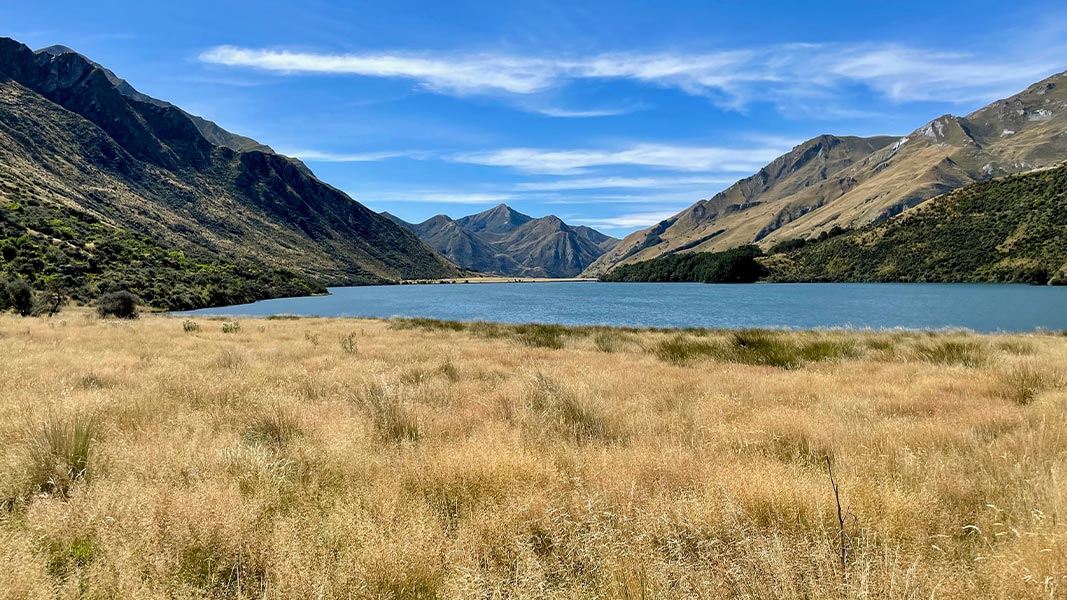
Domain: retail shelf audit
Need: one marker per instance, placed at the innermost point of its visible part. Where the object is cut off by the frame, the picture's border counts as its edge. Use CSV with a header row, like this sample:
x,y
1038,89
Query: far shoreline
x,y
473,280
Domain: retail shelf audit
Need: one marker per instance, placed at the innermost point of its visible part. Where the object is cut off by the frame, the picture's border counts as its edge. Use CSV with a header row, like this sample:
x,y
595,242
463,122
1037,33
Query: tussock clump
x,y
609,341
59,453
680,349
393,421
540,336
1022,383
426,324
348,344
756,347
953,353
274,426
560,410
231,327
190,327
449,371
230,359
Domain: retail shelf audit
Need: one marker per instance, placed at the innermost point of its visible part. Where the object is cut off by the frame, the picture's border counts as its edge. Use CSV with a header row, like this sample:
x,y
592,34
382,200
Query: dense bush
x,y
122,305
17,295
80,257
737,265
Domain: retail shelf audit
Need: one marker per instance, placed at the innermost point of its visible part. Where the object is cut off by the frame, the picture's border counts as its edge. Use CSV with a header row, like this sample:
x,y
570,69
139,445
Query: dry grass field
x,y
334,458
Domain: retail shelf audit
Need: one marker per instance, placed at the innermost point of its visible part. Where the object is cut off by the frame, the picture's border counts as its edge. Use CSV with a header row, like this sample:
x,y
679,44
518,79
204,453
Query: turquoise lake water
x,y
981,307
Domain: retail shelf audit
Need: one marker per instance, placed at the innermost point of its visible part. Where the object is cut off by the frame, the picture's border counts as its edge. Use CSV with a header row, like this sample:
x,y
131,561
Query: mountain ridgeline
x,y
104,188
503,241
1010,229
841,182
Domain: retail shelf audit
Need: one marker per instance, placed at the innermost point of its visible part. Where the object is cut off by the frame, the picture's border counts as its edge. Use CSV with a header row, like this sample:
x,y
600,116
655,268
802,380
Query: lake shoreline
x,y
977,307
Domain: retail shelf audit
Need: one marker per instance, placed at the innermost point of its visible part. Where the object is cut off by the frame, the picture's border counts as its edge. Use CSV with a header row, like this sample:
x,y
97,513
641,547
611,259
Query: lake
x,y
981,307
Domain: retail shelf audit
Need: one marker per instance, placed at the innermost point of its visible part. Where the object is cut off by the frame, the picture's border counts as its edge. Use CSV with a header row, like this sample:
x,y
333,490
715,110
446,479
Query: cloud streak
x,y
731,78
660,156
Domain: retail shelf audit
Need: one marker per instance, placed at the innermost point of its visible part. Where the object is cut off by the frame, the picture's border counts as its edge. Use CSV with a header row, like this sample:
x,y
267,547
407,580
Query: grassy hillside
x,y
1009,229
330,458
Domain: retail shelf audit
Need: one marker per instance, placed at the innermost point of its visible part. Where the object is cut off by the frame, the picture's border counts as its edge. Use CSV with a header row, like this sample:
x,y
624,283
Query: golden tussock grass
x,y
331,458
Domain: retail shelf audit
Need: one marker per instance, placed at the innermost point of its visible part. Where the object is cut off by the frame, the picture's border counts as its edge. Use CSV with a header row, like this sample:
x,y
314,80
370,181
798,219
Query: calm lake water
x,y
982,307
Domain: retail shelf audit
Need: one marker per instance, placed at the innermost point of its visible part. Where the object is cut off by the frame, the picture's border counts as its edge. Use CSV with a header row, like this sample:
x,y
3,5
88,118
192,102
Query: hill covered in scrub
x,y
1012,229
848,182
504,241
102,187
737,265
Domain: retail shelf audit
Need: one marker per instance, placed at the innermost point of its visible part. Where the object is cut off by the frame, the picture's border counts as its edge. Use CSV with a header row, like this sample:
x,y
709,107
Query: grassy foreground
x,y
337,458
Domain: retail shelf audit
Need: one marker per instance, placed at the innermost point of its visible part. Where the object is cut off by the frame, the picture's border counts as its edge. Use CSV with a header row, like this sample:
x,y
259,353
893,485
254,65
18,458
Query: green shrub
x,y
231,327
121,305
190,327
19,296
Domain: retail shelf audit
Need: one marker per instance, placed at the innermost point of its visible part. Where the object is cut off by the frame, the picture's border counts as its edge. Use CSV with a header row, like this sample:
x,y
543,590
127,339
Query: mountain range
x,y
503,241
104,187
834,182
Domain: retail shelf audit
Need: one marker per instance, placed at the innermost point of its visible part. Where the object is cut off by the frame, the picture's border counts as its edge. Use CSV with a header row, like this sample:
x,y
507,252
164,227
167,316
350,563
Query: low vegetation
x,y
737,265
166,458
50,247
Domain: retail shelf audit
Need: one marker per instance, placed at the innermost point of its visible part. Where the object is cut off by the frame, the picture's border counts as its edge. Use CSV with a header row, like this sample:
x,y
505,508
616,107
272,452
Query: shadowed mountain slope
x,y
78,144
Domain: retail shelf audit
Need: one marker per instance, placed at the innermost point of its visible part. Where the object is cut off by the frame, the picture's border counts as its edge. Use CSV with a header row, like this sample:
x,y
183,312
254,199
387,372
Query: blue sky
x,y
612,114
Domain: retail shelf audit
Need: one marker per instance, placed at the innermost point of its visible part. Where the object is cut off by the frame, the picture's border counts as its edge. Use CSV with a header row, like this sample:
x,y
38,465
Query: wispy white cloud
x,y
563,113
596,183
660,156
640,219
732,78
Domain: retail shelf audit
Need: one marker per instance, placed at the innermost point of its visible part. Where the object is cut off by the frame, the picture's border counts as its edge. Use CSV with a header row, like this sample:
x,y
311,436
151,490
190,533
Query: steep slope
x,y
76,140
847,182
1010,229
506,242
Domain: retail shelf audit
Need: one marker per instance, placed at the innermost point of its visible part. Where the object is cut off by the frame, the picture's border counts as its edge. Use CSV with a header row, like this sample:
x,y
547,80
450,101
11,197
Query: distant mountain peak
x,y
503,241
56,50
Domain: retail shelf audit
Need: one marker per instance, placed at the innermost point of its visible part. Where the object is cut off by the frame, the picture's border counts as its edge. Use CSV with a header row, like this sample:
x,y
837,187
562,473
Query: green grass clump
x,y
190,327
59,453
755,347
231,327
680,349
953,353
540,336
